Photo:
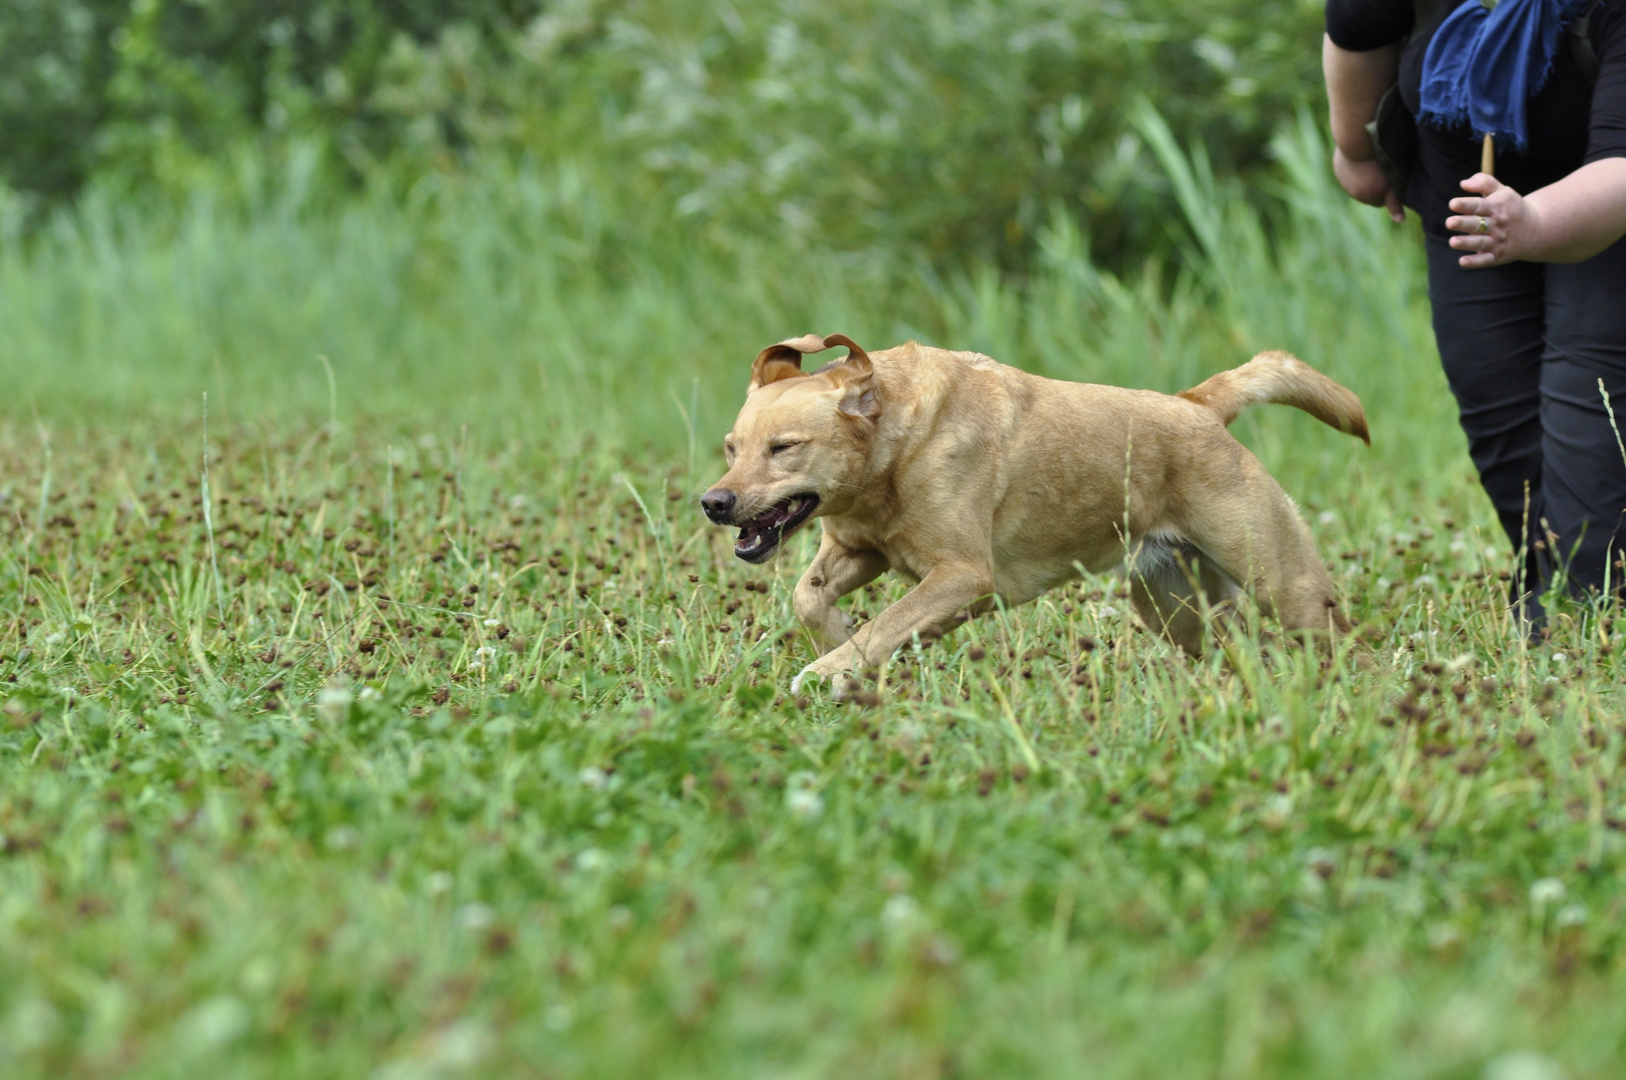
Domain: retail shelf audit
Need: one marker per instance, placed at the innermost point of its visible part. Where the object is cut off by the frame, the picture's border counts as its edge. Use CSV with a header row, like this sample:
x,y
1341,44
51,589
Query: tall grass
x,y
508,301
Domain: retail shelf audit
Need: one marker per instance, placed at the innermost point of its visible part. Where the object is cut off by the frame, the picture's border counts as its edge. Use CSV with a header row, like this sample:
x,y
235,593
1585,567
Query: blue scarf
x,y
1483,67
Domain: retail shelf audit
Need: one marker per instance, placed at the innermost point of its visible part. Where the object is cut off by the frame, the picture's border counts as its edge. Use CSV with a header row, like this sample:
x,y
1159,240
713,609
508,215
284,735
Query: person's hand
x,y
1497,225
1365,182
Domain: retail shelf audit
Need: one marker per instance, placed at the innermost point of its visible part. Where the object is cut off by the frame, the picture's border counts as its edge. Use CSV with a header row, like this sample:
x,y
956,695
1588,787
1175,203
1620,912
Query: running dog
x,y
980,483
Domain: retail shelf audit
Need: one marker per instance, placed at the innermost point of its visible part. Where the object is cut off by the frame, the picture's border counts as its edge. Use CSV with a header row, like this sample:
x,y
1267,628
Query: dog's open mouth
x,y
760,537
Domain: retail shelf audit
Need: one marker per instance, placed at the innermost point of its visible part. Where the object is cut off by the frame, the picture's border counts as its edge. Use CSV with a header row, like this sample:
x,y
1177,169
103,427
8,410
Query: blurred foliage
x,y
947,129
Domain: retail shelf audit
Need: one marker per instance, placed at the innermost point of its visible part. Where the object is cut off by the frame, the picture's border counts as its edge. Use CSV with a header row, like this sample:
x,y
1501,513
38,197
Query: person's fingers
x,y
1467,206
1471,224
1481,184
1397,210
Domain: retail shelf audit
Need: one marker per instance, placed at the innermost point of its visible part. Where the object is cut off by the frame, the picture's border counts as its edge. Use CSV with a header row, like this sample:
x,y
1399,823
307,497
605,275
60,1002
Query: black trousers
x,y
1524,347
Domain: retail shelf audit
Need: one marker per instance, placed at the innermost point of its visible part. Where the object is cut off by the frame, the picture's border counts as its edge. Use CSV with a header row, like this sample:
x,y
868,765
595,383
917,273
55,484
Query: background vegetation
x,y
942,132
402,718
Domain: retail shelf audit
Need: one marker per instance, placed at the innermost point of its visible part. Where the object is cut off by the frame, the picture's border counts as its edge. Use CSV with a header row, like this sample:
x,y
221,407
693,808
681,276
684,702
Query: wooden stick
x,y
1487,156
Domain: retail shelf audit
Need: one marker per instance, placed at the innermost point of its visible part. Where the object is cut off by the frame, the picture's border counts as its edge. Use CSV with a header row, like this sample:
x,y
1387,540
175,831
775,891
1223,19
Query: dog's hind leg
x,y
1177,591
1254,533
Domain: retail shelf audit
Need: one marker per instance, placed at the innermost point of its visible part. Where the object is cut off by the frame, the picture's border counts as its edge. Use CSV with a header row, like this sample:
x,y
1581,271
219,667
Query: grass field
x,y
408,721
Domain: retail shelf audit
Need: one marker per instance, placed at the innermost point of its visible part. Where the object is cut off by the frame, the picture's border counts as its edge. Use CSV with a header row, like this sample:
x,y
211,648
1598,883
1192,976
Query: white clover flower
x,y
369,693
474,916
801,795
1570,915
484,652
900,910
1327,517
593,777
559,1016
1444,936
1549,890
452,1051
492,624
341,838
333,703
1321,859
1560,658
804,802
214,1023
1523,1065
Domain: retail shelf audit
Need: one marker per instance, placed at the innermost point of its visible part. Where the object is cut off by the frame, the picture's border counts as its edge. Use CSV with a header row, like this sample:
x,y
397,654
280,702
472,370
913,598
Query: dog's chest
x,y
905,559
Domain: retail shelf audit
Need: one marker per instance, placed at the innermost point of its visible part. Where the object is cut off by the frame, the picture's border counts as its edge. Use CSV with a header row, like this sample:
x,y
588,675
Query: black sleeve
x,y
1607,138
1364,25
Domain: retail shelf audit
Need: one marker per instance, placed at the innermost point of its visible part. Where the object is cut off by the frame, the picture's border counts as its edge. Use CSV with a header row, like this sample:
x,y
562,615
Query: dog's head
x,y
799,446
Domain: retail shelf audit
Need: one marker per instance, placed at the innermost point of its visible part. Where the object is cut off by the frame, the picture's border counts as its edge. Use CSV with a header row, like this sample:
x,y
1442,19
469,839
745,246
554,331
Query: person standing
x,y
1526,267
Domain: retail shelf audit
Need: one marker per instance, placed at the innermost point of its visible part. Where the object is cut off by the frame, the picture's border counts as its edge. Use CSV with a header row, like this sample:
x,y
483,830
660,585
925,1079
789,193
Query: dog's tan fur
x,y
975,480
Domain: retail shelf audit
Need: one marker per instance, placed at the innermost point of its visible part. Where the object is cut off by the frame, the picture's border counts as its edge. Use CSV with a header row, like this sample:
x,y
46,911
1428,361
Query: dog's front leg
x,y
835,571
932,607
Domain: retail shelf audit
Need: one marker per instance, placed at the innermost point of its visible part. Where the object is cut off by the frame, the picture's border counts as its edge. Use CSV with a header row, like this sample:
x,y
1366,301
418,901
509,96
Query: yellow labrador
x,y
975,480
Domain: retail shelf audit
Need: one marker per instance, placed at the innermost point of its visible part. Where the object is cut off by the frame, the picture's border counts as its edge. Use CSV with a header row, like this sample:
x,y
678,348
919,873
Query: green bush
x,y
938,129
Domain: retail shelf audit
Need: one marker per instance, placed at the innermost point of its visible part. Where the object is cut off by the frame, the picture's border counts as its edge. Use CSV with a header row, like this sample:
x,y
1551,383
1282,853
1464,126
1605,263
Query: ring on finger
x,y
1484,225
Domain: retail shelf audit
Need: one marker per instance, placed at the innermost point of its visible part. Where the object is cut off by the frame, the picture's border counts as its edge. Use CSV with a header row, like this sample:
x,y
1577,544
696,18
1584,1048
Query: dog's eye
x,y
780,447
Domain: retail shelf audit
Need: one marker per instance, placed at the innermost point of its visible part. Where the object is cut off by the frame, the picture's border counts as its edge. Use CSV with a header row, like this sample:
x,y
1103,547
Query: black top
x,y
1571,123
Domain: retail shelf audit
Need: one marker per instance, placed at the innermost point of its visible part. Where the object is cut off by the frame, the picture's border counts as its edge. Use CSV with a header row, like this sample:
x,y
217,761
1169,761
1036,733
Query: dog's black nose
x,y
718,503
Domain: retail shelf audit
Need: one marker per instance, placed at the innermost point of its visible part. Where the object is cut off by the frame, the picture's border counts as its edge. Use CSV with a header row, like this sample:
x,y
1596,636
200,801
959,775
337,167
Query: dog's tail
x,y
1286,380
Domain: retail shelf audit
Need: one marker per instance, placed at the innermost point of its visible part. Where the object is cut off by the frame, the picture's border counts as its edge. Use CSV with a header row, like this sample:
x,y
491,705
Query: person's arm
x,y
1567,221
1355,83
1571,219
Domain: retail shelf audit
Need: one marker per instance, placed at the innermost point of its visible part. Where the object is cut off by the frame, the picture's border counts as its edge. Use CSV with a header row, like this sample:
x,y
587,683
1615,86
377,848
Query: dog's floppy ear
x,y
784,360
856,377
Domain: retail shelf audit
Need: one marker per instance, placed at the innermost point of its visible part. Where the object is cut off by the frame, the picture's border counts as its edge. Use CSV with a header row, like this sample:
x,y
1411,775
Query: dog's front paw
x,y
810,671
842,685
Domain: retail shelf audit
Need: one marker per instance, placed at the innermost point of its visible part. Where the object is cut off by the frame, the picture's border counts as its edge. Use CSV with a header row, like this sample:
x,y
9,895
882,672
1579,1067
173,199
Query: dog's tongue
x,y
766,530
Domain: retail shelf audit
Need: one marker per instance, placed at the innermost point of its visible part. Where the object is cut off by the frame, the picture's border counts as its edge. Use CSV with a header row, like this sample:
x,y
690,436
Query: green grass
x,y
476,758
